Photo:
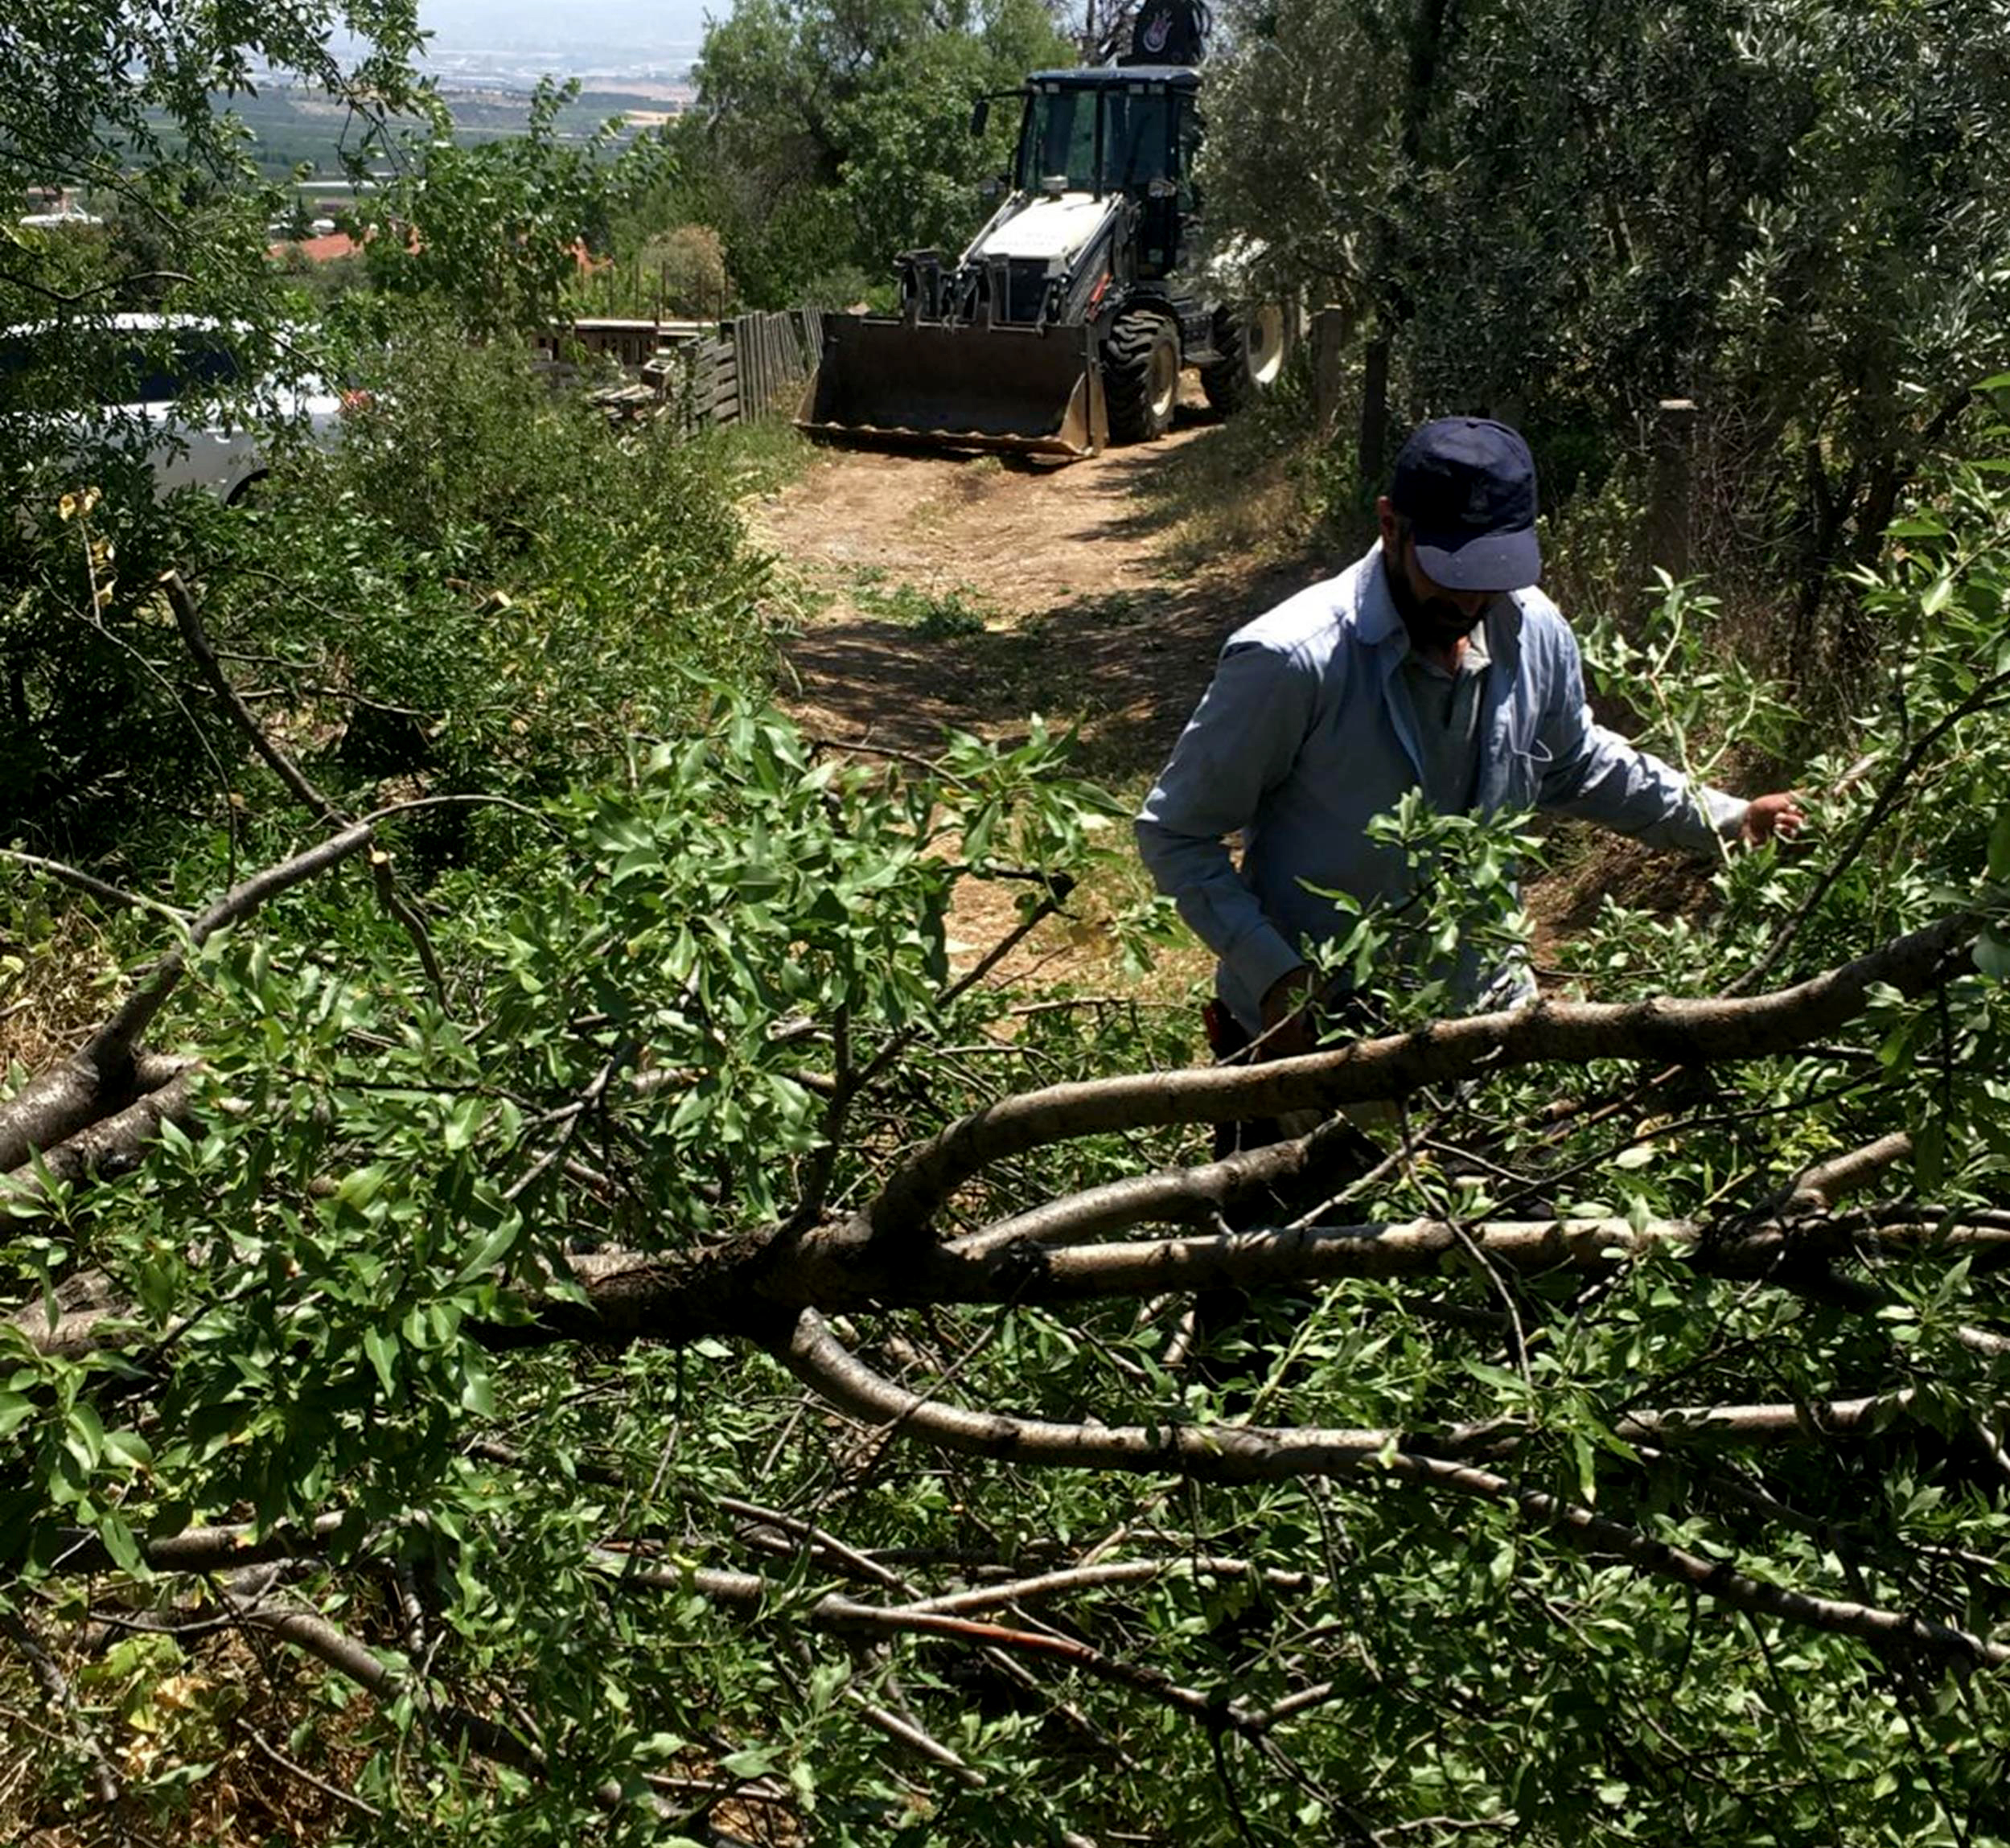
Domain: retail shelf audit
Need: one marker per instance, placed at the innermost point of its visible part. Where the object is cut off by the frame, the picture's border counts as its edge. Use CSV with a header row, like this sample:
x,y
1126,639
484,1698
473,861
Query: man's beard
x,y
1432,622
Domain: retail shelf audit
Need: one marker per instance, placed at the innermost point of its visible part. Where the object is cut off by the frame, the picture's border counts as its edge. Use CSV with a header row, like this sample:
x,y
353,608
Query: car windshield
x,y
1135,147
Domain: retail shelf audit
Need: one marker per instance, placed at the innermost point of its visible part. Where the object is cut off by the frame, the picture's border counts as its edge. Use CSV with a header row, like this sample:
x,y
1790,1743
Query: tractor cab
x,y
1127,131
1108,130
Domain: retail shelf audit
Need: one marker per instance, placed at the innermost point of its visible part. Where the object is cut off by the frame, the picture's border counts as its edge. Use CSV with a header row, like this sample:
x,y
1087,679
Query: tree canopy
x,y
1793,216
827,138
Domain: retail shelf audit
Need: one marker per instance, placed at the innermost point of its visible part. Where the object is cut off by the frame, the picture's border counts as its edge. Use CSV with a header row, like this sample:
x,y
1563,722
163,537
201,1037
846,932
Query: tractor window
x,y
1061,140
1137,142
1188,154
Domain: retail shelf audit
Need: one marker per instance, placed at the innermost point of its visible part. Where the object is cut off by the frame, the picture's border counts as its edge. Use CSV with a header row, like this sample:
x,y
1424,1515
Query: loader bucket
x,y
1029,390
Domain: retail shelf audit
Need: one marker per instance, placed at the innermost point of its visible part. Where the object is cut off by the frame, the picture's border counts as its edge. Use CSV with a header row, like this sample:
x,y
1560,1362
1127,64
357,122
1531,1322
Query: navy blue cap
x,y
1467,486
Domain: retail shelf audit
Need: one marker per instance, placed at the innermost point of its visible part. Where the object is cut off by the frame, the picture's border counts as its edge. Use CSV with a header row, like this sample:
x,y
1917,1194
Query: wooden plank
x,y
761,400
775,357
747,354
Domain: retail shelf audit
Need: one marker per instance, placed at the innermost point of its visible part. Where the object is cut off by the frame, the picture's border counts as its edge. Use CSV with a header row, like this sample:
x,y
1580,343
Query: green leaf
x,y
120,1543
1992,956
484,1258
1587,1468
478,1392
462,1122
1999,848
16,1409
382,1347
86,1440
128,1447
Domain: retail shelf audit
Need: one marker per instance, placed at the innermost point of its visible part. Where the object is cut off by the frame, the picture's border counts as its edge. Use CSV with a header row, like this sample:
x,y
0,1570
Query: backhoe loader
x,y
1065,324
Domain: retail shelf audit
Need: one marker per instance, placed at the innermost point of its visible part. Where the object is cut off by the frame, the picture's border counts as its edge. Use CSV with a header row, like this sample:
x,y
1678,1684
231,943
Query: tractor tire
x,y
1249,343
1141,376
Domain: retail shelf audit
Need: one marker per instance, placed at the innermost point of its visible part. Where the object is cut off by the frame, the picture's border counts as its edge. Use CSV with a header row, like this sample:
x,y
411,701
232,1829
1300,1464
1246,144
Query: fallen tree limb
x,y
109,1072
630,1297
91,884
1252,1453
1667,1031
745,1292
1221,1453
114,1144
1206,1194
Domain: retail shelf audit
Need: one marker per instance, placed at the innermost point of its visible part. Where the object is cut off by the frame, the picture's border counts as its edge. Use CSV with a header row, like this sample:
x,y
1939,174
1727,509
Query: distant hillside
x,y
294,128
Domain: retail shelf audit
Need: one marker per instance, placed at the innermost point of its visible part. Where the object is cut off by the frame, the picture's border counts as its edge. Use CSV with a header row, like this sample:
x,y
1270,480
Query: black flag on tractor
x,y
1169,32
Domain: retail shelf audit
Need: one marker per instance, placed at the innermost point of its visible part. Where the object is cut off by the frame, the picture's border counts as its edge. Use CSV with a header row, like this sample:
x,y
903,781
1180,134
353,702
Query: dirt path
x,y
939,591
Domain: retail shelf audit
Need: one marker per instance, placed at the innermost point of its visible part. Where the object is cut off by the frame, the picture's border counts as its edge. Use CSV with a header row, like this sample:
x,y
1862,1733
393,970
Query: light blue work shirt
x,y
1303,738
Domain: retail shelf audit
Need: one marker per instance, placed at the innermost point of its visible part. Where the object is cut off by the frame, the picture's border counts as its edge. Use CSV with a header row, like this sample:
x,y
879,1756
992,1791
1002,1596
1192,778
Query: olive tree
x,y
1791,216
827,138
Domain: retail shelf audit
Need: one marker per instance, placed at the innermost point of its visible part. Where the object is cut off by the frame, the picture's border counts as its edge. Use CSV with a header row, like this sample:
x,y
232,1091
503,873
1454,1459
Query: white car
x,y
190,394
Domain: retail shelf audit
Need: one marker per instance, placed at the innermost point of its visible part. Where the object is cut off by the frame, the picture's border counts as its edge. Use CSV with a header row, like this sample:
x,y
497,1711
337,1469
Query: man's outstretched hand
x,y
1772,817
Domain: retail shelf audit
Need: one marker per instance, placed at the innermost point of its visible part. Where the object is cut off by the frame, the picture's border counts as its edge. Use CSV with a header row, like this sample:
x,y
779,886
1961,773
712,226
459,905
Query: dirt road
x,y
938,591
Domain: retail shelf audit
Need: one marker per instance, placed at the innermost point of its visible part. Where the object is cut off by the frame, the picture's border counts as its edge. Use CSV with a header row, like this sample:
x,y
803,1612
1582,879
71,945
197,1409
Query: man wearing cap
x,y
1434,663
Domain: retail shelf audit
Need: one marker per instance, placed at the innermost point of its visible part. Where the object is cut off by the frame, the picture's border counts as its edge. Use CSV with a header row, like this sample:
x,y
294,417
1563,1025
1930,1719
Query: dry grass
x,y
58,976
1239,499
194,1743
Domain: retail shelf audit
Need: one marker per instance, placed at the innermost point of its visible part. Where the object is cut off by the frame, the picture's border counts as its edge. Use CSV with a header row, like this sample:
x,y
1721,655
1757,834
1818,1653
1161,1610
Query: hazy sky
x,y
651,29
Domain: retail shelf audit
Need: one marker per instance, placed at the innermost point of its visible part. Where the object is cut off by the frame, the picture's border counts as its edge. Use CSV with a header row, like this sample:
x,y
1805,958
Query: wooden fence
x,y
740,371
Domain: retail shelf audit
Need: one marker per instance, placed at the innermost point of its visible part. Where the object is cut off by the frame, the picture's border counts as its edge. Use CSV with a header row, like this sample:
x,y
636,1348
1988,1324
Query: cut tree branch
x,y
1228,1454
108,1072
1667,1031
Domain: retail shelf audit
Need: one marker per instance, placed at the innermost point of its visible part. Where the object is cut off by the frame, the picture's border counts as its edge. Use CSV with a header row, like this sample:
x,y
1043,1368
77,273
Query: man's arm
x,y
1596,775
1240,743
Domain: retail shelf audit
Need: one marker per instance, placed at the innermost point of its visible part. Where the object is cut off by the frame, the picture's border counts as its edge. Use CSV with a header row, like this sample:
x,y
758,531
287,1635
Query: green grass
x,y
935,615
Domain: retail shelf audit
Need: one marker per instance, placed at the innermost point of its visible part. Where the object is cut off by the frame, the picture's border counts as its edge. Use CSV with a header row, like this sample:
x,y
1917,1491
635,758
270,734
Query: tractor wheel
x,y
1250,344
1141,376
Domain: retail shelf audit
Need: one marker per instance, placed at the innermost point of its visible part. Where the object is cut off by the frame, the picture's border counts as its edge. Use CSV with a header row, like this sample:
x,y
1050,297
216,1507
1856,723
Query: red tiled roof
x,y
319,249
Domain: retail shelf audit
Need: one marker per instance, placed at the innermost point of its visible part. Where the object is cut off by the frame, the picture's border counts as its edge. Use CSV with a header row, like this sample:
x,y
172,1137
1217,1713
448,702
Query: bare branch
x,y
271,1753
907,1733
205,1549
188,620
1073,1578
1205,1195
1823,1184
92,884
1665,1030
1226,1453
